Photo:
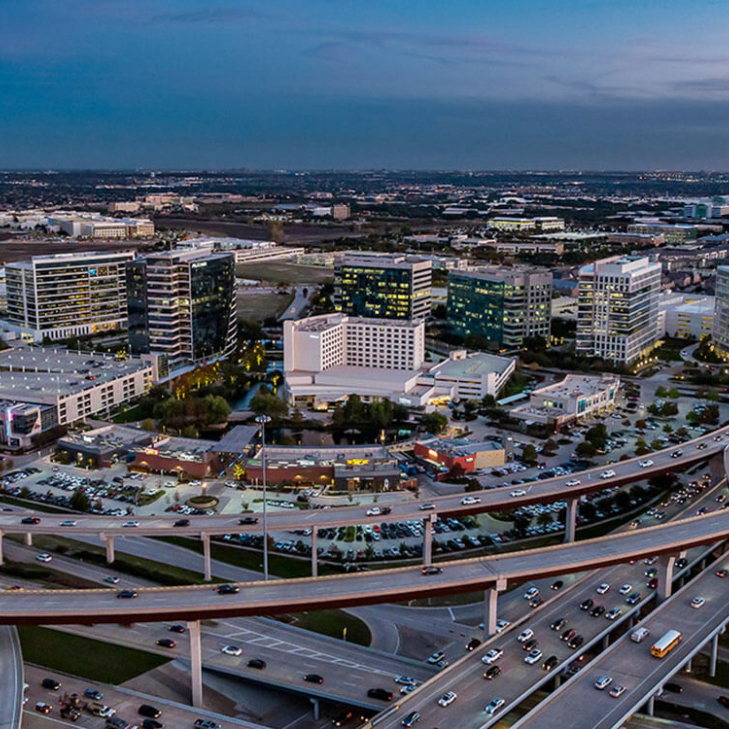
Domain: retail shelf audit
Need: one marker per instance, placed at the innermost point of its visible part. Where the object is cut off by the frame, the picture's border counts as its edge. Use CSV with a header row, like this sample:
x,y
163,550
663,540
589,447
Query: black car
x,y
576,642
557,585
558,624
51,683
550,663
473,644
166,643
177,628
257,663
568,634
597,611
492,672
152,724
342,718
528,645
632,599
248,520
313,678
150,711
674,688
182,523
126,594
30,520
228,589
587,604
380,693
723,700
430,569
681,562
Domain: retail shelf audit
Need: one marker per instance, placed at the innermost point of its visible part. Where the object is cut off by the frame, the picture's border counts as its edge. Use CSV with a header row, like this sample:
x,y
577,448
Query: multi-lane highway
x,y
11,686
631,664
499,499
255,598
518,679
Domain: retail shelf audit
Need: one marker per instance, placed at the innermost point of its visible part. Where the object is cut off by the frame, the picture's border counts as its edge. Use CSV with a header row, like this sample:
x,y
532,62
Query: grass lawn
x,y
84,657
261,306
128,416
331,623
290,273
41,573
35,505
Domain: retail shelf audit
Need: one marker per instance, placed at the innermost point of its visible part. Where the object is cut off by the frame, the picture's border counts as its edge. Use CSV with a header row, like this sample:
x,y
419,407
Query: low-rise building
x,y
542,224
245,251
573,398
469,456
685,316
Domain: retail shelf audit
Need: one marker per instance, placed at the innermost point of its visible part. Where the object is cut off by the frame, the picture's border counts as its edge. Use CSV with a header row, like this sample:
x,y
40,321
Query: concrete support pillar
x,y
716,468
570,520
206,557
109,541
688,665
557,681
650,705
314,561
605,641
714,655
2,561
315,706
428,540
665,576
28,539
490,606
193,629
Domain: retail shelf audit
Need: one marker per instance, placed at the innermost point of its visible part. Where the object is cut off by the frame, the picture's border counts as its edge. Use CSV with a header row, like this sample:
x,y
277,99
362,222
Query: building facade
x,y
502,305
67,295
685,316
383,286
617,312
182,304
720,330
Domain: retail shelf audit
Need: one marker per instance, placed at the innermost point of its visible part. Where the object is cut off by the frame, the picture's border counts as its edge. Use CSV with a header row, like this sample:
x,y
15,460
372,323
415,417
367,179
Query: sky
x,y
353,84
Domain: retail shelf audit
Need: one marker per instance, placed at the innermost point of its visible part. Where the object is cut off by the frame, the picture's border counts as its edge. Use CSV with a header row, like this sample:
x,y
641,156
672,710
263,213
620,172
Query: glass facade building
x,y
720,333
383,287
182,304
500,305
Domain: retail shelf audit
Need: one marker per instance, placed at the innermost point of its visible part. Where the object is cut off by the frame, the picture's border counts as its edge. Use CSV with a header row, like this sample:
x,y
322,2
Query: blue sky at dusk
x,y
428,84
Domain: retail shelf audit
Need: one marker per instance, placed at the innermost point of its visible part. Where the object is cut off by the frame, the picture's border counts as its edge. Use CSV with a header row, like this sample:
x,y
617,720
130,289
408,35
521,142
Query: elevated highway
x,y
11,683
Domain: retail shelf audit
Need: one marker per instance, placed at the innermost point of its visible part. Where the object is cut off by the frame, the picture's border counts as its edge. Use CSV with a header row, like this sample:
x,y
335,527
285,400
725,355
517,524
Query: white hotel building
x,y
329,357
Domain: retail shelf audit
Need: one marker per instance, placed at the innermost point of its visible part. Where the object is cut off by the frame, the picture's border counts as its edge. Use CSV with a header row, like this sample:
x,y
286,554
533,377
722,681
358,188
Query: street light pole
x,y
262,420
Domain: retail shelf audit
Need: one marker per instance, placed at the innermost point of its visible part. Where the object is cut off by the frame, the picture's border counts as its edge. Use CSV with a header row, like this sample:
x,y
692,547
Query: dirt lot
x,y
290,273
261,306
22,250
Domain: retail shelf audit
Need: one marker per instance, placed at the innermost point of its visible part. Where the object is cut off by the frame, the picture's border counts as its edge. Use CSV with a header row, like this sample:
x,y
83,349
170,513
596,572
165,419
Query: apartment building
x,y
617,310
182,304
67,295
383,286
502,305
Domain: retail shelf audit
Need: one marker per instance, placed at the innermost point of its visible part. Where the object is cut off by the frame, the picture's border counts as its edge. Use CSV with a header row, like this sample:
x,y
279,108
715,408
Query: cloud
x,y
216,14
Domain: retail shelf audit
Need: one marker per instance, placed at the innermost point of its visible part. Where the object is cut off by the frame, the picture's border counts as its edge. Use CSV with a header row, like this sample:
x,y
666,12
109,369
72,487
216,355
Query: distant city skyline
x,y
472,84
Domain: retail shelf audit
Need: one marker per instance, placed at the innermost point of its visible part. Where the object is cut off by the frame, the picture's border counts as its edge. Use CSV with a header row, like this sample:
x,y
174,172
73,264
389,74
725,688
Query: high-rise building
x,y
617,310
502,305
383,286
67,295
720,332
182,304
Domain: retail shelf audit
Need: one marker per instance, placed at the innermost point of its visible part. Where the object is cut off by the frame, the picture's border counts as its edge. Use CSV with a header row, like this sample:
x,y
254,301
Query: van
x,y
639,635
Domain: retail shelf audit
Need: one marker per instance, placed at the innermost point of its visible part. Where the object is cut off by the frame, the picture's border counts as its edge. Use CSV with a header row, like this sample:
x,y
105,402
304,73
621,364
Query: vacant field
x,y
261,306
21,250
290,273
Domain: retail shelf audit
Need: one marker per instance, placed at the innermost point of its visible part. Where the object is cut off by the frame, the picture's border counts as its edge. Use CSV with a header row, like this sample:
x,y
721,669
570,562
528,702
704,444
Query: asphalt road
x,y
631,664
11,685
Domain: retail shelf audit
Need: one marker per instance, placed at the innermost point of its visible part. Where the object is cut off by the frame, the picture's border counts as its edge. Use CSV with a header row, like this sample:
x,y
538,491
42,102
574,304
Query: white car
x,y
502,625
614,613
518,492
625,589
602,588
68,523
447,699
603,682
607,474
697,602
574,482
531,593
469,500
437,656
646,464
525,635
495,705
533,656
492,656
231,650
376,511
131,524
44,557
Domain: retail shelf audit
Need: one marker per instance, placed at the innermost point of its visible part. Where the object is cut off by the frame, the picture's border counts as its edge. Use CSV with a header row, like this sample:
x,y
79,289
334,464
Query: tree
x,y
640,424
544,518
550,446
668,428
661,391
587,511
597,435
656,444
433,422
622,500
673,393
585,449
149,424
79,501
189,431
265,402
529,454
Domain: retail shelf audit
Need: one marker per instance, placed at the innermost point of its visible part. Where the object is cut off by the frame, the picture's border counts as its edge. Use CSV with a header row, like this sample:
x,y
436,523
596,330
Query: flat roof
x,y
236,440
474,364
579,385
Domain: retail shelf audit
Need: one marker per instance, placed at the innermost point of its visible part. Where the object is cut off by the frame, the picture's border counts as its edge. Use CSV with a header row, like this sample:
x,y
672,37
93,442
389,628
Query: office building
x,y
686,316
572,399
502,305
182,304
617,312
383,286
67,295
91,225
720,331
446,454
509,224
245,251
329,357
